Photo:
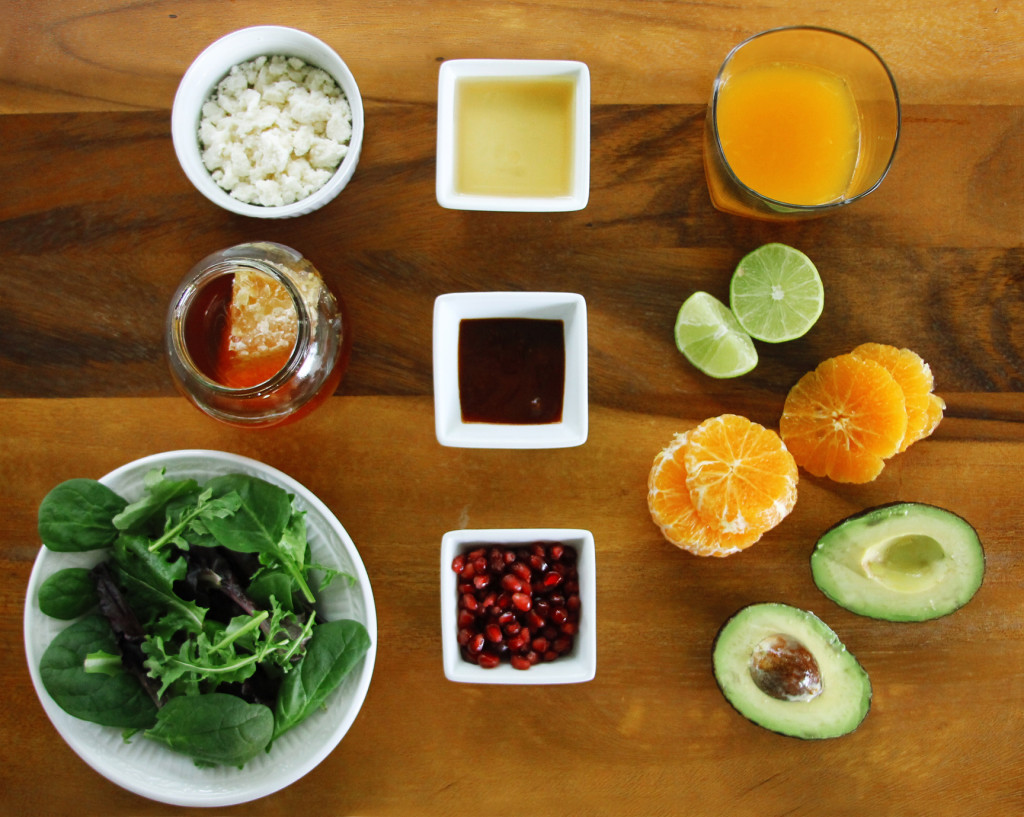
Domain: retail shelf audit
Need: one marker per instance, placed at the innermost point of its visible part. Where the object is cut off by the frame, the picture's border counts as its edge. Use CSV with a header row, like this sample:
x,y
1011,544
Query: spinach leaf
x,y
276,584
77,515
159,492
216,728
334,649
67,594
265,524
148,581
111,700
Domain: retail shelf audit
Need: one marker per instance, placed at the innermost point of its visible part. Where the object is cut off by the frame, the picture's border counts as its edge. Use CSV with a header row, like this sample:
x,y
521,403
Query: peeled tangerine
x,y
854,411
718,488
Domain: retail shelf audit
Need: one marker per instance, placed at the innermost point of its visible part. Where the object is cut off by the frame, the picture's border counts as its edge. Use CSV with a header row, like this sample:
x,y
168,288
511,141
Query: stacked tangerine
x,y
718,488
853,412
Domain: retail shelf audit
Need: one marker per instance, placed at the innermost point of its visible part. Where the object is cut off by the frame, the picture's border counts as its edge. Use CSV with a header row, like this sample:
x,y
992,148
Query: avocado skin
x,y
896,607
863,689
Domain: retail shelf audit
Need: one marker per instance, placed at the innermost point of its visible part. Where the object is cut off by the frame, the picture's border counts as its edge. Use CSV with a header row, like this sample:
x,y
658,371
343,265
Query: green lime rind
x,y
776,293
711,338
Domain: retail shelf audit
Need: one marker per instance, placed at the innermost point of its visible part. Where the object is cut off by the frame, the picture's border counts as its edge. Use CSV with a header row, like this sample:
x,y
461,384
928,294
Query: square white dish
x,y
450,75
576,666
452,430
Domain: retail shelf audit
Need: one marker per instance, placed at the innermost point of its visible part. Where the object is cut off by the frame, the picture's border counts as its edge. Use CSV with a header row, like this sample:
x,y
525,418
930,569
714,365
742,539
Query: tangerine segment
x,y
740,475
843,419
668,499
936,406
914,377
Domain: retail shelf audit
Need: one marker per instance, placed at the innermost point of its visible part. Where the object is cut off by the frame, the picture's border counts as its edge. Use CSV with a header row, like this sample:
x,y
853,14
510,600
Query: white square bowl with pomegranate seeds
x,y
519,606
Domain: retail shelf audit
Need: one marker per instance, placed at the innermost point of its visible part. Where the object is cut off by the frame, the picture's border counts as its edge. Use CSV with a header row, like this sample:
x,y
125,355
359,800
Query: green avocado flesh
x,y
901,562
784,669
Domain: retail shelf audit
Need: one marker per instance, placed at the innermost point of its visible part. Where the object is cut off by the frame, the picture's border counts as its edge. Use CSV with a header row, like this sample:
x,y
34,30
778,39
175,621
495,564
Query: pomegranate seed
x,y
488,660
520,662
517,604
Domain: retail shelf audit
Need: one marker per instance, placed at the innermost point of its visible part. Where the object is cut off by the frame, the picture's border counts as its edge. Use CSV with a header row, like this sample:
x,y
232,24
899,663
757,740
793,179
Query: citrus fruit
x,y
776,293
844,419
914,376
740,476
668,499
710,337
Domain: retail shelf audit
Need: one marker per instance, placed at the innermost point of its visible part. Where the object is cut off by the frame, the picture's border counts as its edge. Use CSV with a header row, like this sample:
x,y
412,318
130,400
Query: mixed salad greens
x,y
199,628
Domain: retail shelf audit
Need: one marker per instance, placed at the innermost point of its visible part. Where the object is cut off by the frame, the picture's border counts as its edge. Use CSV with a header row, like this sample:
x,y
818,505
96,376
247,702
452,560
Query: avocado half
x,y
784,669
906,561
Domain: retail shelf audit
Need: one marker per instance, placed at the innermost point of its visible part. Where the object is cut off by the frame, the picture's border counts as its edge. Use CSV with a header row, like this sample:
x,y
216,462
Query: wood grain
x,y
98,224
94,258
651,734
105,55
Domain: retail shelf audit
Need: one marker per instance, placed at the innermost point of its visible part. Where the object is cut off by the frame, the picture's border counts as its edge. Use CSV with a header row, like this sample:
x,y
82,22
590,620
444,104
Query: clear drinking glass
x,y
764,87
311,327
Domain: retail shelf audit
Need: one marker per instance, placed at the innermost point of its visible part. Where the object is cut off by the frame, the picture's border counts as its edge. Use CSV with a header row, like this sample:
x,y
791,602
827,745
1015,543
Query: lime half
x,y
712,339
776,293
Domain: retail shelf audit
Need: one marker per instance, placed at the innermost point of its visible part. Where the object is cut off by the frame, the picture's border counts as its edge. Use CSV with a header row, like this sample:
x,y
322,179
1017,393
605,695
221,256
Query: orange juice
x,y
789,132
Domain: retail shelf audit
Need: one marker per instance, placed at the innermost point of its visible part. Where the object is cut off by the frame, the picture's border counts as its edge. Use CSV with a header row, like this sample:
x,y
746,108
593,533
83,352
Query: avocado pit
x,y
785,669
906,564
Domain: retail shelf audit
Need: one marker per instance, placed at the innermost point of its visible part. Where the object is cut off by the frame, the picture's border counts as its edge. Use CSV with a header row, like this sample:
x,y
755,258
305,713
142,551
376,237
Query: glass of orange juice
x,y
802,121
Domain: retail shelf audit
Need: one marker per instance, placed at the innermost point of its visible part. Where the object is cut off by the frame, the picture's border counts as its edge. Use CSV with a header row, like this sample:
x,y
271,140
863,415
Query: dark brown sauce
x,y
511,370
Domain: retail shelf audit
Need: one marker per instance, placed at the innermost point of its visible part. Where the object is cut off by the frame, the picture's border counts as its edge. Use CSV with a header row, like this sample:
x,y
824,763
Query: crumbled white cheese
x,y
274,130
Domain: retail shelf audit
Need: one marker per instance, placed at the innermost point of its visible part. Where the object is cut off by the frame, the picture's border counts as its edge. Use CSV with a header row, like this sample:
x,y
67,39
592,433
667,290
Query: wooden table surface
x,y
98,224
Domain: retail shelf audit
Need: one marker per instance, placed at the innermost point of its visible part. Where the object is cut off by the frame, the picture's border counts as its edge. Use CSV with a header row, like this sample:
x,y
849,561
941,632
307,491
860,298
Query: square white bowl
x,y
450,310
576,666
450,74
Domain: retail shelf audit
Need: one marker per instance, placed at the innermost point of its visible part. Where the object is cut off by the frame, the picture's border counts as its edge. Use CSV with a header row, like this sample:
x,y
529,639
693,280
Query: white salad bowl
x,y
148,768
576,666
212,65
451,429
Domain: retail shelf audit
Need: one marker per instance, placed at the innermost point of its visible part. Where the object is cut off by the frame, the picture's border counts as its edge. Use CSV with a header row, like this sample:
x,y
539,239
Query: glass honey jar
x,y
255,337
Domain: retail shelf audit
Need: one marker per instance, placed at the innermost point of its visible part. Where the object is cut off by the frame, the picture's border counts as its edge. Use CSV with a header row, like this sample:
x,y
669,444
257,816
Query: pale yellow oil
x,y
514,136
